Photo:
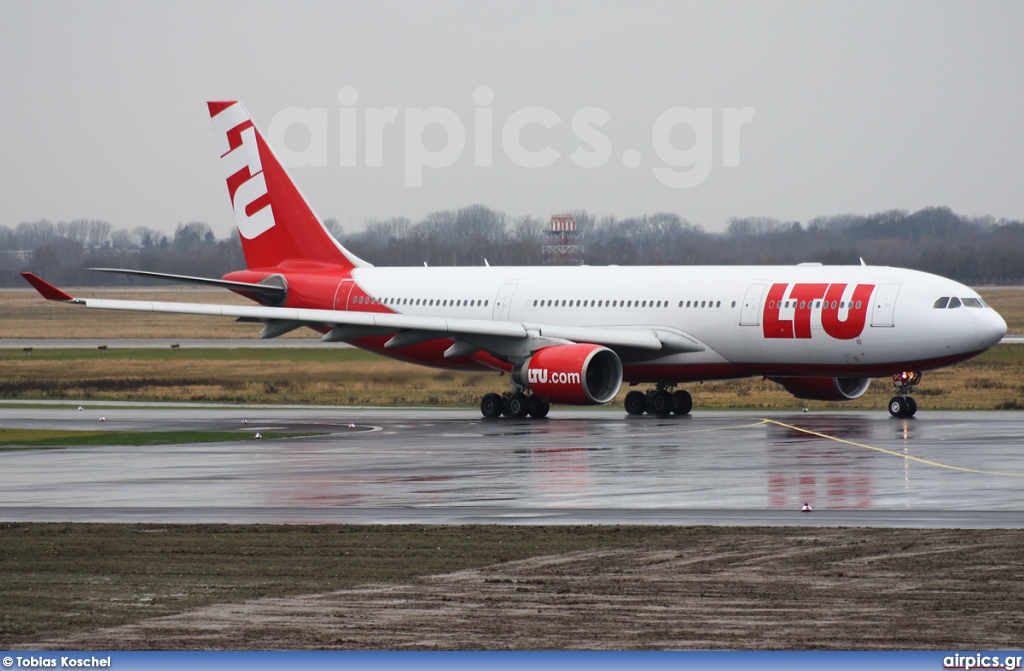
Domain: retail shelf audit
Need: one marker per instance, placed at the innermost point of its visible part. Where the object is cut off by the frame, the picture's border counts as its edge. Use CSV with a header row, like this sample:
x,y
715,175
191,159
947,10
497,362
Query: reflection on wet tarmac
x,y
576,464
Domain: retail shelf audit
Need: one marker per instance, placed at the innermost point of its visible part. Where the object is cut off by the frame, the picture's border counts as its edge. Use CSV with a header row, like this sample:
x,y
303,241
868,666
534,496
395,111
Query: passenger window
x,y
954,302
972,303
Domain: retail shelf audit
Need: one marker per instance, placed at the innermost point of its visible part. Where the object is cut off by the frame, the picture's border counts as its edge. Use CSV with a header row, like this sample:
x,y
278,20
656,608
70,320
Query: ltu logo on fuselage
x,y
541,376
829,301
240,158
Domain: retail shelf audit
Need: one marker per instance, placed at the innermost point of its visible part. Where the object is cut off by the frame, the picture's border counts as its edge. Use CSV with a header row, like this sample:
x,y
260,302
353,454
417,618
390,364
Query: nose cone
x,y
989,327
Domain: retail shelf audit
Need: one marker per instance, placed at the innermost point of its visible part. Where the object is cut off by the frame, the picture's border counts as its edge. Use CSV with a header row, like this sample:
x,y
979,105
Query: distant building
x,y
20,254
563,243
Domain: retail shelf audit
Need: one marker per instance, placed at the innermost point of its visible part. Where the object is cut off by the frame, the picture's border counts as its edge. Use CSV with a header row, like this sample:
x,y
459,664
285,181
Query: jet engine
x,y
825,388
581,374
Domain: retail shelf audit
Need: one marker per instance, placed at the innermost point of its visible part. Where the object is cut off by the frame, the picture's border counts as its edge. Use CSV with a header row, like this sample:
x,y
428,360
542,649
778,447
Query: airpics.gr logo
x,y
543,376
239,152
828,301
531,137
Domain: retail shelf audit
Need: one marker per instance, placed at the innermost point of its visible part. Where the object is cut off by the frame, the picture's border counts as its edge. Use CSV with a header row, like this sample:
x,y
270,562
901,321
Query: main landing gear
x,y
659,401
514,404
903,405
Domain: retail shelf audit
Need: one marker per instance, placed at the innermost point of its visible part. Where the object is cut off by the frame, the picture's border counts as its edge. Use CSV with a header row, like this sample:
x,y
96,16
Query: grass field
x,y
11,439
994,380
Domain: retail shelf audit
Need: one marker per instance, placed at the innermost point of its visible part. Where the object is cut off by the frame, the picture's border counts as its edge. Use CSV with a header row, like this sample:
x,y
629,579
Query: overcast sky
x,y
850,107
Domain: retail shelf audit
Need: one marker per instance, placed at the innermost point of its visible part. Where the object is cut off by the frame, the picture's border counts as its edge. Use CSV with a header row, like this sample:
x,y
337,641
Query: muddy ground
x,y
634,588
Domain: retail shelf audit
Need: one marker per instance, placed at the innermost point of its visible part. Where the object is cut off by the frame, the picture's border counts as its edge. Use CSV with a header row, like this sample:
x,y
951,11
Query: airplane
x,y
576,334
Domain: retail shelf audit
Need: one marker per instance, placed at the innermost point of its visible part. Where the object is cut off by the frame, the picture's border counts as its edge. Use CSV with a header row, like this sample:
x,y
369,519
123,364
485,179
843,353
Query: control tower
x,y
563,243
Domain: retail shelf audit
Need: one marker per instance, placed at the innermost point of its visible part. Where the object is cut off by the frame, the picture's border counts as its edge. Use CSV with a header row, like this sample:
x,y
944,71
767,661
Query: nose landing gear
x,y
903,405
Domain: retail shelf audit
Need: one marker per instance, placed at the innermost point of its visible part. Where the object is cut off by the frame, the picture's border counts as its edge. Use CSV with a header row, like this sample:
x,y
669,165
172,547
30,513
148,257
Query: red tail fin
x,y
274,220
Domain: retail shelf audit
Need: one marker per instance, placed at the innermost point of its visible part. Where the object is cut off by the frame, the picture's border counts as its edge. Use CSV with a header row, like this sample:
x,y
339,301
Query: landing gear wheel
x,y
491,405
538,407
518,405
682,402
911,406
660,403
636,403
898,406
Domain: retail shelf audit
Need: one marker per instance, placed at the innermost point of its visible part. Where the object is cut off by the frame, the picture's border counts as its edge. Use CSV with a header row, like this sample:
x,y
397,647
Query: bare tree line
x,y
978,250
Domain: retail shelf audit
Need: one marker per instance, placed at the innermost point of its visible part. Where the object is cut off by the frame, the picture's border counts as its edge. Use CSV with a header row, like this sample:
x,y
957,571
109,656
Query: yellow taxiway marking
x,y
908,457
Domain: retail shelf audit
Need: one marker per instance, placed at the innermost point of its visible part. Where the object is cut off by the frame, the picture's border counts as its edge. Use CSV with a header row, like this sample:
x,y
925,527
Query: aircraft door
x,y
342,294
884,305
750,314
503,302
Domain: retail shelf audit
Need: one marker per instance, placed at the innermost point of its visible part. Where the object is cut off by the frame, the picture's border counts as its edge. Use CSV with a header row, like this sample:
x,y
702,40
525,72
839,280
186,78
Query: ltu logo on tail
x,y
541,376
240,157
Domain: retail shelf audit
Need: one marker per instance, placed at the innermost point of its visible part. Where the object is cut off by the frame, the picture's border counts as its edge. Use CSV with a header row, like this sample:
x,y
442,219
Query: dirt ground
x,y
794,588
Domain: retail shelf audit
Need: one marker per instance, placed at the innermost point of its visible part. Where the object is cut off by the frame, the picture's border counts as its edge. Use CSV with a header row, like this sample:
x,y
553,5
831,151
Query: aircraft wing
x,y
409,329
269,291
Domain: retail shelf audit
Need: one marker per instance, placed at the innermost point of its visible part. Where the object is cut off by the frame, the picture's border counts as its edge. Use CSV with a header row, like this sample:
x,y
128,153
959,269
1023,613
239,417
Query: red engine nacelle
x,y
575,374
825,388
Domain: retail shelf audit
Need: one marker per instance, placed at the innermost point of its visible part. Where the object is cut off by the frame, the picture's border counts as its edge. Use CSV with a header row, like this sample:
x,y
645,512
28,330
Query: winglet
x,y
48,291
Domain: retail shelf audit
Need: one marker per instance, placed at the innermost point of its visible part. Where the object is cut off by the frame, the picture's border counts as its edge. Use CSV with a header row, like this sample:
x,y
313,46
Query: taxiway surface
x,y
940,469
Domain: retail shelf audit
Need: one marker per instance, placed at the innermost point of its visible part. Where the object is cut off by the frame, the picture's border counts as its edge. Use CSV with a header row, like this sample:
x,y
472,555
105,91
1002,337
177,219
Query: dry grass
x,y
1009,302
352,377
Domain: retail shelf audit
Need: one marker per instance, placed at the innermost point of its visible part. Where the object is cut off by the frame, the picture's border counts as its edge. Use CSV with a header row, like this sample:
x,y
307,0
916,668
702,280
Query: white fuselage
x,y
728,310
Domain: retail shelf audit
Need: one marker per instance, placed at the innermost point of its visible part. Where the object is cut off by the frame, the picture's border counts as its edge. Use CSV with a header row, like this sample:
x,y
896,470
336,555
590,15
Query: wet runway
x,y
940,469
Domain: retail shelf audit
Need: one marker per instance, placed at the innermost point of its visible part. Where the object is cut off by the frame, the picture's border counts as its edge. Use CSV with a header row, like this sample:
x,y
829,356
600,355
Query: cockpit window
x,y
954,302
972,303
941,303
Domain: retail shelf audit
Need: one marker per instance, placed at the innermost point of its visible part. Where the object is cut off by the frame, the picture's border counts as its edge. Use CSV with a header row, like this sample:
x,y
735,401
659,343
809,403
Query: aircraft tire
x,y
682,402
660,403
897,406
518,406
911,407
538,407
636,403
490,406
